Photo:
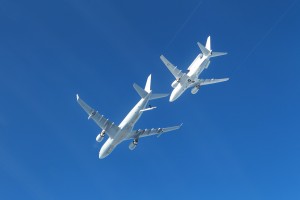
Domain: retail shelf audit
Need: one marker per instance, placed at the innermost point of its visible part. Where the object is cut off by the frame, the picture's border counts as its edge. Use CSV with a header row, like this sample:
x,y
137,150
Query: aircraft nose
x,y
102,154
174,96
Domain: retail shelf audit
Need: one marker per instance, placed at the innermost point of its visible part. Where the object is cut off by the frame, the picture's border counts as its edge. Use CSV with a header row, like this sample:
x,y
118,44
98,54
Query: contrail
x,y
281,17
184,24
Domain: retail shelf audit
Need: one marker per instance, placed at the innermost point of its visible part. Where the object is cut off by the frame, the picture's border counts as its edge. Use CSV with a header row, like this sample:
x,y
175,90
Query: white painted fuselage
x,y
125,126
200,63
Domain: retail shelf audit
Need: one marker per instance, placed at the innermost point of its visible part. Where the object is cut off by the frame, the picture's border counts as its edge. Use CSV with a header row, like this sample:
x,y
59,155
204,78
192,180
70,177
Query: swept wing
x,y
212,81
110,128
174,70
148,132
208,81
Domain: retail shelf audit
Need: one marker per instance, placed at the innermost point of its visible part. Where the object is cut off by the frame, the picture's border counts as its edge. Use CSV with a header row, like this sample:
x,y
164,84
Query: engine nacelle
x,y
100,136
195,89
133,144
174,84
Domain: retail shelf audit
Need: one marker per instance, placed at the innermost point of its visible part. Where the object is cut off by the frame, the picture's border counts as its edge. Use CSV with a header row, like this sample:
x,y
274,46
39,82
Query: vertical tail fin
x,y
144,92
148,84
206,50
207,46
203,49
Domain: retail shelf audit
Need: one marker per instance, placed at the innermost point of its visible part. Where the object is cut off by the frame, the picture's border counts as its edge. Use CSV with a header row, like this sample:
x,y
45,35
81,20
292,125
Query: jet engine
x,y
174,84
195,89
133,144
100,136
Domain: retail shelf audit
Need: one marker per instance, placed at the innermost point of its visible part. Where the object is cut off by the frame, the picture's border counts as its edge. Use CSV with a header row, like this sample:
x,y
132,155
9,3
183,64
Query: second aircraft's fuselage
x,y
125,126
195,69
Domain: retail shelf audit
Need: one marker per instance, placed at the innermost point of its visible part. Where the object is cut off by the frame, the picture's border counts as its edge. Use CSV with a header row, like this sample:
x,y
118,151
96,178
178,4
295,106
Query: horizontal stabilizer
x,y
144,92
203,49
215,54
158,96
206,50
140,90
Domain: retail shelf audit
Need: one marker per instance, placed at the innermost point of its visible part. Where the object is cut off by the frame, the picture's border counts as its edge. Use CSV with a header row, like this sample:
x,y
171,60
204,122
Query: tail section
x,y
140,90
158,96
144,92
207,45
148,84
206,50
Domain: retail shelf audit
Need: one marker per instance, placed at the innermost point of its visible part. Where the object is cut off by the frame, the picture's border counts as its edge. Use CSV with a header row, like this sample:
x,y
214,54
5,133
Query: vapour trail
x,y
184,24
269,31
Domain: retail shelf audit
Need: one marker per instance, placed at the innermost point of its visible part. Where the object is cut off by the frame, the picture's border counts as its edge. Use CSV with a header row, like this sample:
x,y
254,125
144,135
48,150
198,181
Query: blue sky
x,y
240,139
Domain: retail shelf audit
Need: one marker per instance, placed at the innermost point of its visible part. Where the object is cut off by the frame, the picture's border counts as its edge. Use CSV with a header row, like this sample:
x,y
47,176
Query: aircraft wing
x,y
110,128
212,81
174,70
148,132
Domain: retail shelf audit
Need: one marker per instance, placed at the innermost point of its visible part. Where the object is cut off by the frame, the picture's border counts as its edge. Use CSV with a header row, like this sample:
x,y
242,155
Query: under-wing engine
x,y
174,84
133,144
195,89
100,136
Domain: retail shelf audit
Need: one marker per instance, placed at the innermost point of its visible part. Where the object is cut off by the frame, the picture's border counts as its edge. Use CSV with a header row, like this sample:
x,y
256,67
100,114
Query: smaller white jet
x,y
125,131
191,78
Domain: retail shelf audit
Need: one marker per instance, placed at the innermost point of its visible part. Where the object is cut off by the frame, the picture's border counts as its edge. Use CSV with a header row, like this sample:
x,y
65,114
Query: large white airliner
x,y
191,78
125,131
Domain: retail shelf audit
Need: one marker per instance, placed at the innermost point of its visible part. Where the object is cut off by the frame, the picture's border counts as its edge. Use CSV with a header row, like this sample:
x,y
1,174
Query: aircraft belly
x,y
177,92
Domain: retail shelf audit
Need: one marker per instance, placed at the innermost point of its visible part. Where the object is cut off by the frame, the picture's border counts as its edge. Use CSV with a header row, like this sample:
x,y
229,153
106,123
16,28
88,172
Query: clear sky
x,y
239,140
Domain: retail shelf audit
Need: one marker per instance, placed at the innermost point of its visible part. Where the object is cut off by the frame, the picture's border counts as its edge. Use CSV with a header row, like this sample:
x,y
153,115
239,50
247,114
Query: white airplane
x,y
125,131
190,79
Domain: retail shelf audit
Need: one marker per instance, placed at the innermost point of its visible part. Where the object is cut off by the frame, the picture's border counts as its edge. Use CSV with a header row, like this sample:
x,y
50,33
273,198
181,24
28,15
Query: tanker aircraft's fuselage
x,y
125,126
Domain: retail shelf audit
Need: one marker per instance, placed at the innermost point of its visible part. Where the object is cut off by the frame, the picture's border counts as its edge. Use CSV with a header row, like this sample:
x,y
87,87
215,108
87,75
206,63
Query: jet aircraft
x,y
124,131
191,78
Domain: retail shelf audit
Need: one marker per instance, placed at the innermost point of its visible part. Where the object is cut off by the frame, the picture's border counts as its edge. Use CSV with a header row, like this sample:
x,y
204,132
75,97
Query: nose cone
x,y
176,93
173,97
104,151
102,154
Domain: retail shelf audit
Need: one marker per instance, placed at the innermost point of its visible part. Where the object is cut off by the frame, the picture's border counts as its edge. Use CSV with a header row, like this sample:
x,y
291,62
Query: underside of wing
x,y
212,81
148,132
110,128
176,72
